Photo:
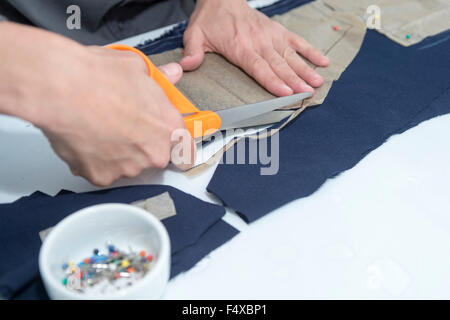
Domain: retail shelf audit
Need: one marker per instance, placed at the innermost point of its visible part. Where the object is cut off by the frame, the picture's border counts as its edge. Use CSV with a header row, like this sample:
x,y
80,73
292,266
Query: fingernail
x,y
287,89
317,80
306,87
172,69
317,77
325,60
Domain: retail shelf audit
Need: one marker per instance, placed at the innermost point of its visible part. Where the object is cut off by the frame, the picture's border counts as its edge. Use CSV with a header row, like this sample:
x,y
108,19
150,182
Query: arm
x,y
99,109
260,46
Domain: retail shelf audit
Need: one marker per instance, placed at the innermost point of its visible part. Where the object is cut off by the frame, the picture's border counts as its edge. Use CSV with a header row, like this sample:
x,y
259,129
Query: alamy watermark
x,y
261,148
73,21
374,17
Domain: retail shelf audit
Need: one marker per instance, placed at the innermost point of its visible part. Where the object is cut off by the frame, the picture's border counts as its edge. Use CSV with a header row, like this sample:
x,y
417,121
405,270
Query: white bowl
x,y
125,226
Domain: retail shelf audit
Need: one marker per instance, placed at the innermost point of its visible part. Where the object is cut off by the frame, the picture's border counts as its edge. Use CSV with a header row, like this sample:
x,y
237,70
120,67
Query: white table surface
x,y
379,230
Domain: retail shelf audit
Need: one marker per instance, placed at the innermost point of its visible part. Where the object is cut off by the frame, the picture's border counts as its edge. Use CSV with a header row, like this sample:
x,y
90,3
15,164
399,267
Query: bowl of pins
x,y
107,251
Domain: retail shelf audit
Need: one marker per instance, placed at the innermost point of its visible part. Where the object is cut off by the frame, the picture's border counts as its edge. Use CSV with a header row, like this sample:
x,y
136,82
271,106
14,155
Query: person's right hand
x,y
98,107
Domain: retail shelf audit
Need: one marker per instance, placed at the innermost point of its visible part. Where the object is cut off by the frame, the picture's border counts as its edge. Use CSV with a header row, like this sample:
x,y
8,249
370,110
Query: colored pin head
x,y
115,271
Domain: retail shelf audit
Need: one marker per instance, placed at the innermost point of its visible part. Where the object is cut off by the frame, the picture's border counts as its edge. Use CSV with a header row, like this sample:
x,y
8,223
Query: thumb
x,y
172,71
193,49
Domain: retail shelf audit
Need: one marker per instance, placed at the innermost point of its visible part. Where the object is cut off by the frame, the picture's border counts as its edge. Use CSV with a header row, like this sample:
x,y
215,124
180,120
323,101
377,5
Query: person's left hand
x,y
263,48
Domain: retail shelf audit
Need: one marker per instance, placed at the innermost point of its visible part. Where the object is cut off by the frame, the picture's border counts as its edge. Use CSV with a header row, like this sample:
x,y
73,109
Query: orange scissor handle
x,y
197,122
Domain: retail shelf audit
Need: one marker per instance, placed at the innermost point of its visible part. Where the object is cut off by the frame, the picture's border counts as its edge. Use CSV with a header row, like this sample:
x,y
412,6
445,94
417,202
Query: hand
x,y
263,48
98,107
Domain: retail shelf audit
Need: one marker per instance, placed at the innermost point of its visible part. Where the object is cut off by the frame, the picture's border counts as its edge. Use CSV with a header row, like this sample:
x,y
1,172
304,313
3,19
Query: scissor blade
x,y
238,114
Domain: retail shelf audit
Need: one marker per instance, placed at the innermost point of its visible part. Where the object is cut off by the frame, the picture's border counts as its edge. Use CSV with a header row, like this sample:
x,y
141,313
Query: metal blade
x,y
262,119
238,114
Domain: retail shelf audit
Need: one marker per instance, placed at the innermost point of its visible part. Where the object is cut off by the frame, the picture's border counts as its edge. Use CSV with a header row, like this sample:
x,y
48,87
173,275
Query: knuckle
x,y
240,39
99,178
295,39
292,78
258,64
310,51
307,71
301,66
257,35
161,162
240,48
161,159
265,49
74,171
289,53
101,181
131,171
278,64
191,31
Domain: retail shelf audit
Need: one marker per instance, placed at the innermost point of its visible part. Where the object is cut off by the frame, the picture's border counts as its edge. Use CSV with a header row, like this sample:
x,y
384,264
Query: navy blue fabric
x,y
209,241
22,220
173,39
387,89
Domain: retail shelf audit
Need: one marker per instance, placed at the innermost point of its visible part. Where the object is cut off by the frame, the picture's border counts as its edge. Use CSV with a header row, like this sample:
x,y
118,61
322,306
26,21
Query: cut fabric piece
x,y
219,85
21,221
386,90
405,21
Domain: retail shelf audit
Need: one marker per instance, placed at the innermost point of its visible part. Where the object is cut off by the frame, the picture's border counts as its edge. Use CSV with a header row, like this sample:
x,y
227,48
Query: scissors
x,y
210,121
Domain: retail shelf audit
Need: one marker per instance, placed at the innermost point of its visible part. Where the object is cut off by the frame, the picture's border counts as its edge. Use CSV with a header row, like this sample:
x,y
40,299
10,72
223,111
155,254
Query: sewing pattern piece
x,y
386,90
232,87
406,22
197,227
161,206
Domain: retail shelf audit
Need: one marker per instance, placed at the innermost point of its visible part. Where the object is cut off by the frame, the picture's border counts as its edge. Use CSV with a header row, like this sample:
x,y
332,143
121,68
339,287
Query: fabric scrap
x,y
161,206
386,90
44,233
21,221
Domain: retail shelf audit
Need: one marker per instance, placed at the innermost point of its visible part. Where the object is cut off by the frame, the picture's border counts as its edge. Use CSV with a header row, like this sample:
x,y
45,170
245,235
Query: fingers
x,y
172,71
285,72
193,49
301,68
258,68
308,51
